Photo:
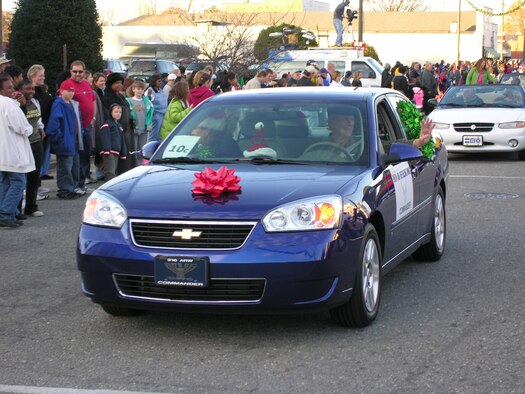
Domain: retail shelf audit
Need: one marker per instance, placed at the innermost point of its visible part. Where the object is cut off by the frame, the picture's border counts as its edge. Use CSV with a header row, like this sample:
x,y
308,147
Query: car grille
x,y
217,290
479,127
213,235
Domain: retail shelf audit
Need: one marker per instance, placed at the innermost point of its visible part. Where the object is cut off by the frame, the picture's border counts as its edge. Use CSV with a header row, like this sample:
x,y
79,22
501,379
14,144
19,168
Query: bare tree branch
x,y
397,5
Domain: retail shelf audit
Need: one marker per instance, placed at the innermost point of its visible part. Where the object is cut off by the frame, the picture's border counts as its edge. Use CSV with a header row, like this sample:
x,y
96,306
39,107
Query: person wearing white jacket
x,y
16,157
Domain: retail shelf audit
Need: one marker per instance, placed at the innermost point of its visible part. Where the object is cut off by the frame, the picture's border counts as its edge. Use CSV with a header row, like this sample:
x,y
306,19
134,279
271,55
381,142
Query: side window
x,y
339,66
385,129
393,100
366,70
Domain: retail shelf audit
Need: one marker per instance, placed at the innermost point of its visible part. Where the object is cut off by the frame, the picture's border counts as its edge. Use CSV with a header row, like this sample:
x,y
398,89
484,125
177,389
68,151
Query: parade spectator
x,y
16,158
292,81
429,86
114,85
386,77
338,22
85,96
415,71
179,107
5,62
357,79
99,84
65,132
160,106
110,143
331,71
306,78
34,118
142,115
37,74
99,87
229,83
16,73
346,81
480,74
336,80
202,90
257,81
170,81
270,81
323,73
400,83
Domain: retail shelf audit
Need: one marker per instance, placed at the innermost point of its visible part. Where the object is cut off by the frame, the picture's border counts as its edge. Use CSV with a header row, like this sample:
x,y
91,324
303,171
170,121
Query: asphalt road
x,y
456,326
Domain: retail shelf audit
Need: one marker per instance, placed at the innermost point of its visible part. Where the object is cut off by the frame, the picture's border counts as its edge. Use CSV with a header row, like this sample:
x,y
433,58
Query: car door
x,y
426,178
402,182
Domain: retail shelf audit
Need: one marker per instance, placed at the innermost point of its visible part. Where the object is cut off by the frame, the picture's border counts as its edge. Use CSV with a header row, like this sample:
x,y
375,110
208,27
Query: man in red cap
x,y
85,96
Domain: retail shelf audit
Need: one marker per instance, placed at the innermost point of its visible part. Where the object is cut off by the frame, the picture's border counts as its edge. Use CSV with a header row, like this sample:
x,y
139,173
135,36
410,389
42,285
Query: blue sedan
x,y
269,200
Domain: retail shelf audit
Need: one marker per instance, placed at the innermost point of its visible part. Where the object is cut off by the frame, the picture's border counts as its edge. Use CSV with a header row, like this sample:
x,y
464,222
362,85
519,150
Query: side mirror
x,y
149,149
433,102
402,152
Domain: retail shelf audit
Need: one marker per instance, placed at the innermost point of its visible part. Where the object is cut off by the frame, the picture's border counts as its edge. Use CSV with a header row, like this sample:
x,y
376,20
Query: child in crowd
x,y
65,133
110,142
178,108
141,113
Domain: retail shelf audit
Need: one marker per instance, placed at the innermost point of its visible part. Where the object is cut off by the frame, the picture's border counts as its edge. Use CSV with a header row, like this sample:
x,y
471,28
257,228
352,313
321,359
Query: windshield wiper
x,y
269,160
188,160
451,105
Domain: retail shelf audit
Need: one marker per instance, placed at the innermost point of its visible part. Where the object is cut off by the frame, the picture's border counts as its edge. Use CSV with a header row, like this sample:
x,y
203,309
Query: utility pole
x,y
361,17
502,26
459,34
1,30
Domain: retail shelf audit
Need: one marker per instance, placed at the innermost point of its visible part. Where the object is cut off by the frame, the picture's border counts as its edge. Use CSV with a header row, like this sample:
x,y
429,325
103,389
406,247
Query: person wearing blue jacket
x,y
64,131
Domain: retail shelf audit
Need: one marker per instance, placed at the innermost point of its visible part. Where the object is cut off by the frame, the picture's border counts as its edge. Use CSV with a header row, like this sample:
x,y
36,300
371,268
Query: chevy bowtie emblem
x,y
186,233
473,127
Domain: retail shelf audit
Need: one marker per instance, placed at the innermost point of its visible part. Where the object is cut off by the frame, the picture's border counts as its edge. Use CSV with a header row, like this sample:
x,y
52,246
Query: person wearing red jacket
x,y
202,90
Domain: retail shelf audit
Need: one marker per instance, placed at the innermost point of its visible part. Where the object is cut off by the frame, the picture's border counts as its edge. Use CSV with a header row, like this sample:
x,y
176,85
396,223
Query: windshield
x,y
269,132
465,96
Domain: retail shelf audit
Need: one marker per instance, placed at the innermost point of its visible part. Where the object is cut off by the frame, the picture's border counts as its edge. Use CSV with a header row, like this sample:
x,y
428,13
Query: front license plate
x,y
181,271
473,140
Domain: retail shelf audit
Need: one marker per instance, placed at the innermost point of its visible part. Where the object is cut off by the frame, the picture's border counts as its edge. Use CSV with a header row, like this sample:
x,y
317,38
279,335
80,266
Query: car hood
x,y
166,191
479,115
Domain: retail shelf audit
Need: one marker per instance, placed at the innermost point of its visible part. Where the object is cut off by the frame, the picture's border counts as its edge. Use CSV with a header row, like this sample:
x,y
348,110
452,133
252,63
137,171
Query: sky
x,y
121,10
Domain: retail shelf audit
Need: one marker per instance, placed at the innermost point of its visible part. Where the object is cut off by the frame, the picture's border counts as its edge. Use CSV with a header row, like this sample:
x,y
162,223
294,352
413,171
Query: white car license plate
x,y
473,140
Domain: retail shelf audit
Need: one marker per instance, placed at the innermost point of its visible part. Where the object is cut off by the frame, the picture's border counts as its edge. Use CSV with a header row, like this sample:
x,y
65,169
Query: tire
x,y
433,250
363,306
120,311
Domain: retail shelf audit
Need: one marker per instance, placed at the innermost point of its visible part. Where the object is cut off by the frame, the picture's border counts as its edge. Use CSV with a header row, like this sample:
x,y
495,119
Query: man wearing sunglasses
x,y
85,96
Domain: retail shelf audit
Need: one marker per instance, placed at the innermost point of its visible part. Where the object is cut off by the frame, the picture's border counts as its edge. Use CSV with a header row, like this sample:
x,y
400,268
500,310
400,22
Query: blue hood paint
x,y
164,192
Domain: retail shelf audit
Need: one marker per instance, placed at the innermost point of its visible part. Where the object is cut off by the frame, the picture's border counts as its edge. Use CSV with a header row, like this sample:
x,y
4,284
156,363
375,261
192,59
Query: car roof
x,y
301,94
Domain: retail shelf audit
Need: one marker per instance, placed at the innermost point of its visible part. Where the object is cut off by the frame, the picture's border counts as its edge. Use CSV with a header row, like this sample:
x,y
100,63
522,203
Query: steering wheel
x,y
330,151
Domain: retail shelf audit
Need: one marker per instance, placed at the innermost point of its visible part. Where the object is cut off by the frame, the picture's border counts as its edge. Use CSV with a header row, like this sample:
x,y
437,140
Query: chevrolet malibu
x,y
269,200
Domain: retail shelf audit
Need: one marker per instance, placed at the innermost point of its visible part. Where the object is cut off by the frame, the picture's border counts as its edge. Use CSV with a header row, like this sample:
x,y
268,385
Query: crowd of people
x,y
106,119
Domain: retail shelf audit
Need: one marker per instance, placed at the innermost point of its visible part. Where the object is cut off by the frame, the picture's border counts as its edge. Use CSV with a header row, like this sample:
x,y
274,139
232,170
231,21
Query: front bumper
x,y
496,140
279,271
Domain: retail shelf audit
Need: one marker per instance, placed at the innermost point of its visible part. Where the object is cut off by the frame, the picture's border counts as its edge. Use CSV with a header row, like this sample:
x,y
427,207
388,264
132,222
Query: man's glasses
x,y
77,71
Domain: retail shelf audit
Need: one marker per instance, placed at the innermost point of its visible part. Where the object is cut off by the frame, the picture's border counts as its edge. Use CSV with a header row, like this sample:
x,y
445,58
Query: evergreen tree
x,y
41,28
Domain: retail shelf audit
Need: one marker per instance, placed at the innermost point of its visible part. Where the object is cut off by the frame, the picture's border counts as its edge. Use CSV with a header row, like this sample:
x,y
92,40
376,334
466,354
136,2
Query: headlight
x,y
441,126
103,210
512,125
317,213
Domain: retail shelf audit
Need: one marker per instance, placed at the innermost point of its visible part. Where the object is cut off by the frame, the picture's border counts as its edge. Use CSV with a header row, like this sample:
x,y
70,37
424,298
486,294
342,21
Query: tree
x,y
370,51
514,21
397,5
264,42
40,29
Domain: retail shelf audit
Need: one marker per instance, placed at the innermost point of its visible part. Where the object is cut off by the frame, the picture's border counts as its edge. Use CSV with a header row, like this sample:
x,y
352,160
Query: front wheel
x,y
363,306
433,250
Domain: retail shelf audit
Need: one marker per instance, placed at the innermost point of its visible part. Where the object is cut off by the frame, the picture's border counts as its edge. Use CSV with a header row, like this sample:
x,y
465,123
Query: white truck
x,y
344,59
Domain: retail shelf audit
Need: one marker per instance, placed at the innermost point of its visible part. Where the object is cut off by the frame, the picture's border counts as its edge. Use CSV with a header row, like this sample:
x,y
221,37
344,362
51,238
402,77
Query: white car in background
x,y
482,118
